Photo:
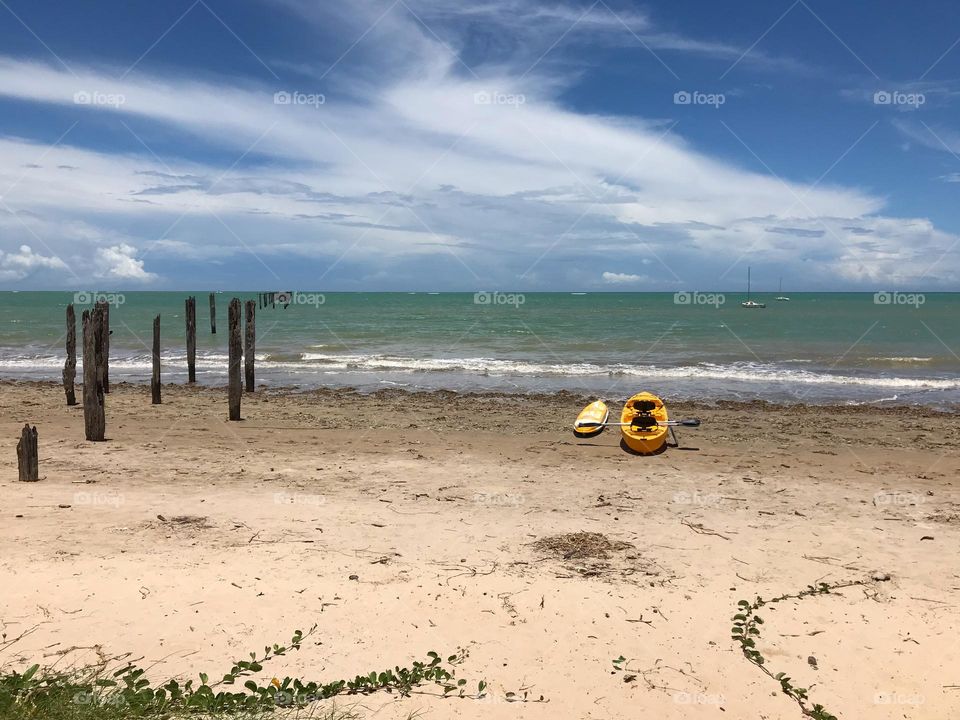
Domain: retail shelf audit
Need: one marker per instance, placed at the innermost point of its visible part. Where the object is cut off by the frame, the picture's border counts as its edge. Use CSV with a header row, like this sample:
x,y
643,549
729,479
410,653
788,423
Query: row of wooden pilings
x,y
95,324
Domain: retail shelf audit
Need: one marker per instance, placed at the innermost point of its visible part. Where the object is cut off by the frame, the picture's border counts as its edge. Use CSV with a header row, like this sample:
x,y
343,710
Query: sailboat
x,y
780,296
748,303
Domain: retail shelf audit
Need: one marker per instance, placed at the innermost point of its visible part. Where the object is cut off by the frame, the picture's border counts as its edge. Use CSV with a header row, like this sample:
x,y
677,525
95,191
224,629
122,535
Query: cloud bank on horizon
x,y
435,145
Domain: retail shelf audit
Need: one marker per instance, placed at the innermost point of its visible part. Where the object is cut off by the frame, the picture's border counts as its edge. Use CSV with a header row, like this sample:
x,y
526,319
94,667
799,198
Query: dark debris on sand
x,y
579,546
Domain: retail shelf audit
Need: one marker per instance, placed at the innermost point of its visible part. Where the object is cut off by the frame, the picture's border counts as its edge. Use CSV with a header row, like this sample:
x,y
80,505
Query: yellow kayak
x,y
641,430
596,413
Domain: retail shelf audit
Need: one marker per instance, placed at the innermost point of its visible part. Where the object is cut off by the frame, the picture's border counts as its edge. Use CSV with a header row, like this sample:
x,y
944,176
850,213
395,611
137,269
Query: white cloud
x,y
621,278
18,265
119,263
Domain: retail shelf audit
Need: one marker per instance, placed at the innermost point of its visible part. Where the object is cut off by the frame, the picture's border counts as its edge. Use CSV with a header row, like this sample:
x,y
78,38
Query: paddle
x,y
687,422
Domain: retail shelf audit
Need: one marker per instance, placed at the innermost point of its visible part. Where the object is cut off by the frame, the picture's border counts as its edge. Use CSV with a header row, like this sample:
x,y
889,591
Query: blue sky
x,y
499,145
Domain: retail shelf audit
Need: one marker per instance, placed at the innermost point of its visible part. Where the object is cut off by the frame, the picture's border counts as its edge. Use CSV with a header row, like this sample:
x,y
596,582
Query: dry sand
x,y
189,541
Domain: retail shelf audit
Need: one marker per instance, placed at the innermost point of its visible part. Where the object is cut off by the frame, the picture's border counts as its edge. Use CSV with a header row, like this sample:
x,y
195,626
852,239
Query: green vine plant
x,y
746,631
128,688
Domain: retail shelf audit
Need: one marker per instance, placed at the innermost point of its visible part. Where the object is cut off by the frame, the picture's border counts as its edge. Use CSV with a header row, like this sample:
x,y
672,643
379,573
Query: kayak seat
x,y
644,406
643,422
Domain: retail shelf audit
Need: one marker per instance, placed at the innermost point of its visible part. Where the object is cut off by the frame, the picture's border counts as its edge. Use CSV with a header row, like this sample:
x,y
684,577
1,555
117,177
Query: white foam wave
x,y
311,362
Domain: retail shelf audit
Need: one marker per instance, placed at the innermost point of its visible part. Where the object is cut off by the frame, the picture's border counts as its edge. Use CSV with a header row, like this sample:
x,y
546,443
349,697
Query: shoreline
x,y
570,399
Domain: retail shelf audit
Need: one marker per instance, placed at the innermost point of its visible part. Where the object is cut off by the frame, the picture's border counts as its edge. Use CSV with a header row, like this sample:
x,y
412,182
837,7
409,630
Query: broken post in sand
x,y
250,343
213,314
155,379
234,387
94,416
28,464
70,367
104,347
191,315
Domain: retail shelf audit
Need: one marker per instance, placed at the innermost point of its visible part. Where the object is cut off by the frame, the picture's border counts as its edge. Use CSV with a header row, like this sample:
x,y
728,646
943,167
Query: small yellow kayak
x,y
594,416
644,421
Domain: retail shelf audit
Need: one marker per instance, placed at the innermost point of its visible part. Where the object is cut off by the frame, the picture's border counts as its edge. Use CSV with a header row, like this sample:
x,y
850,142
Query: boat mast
x,y
748,283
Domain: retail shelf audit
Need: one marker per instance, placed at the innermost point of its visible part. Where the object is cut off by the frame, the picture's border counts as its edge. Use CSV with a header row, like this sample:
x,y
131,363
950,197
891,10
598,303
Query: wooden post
x,y
250,344
234,387
94,417
155,380
191,315
213,314
28,464
103,348
70,367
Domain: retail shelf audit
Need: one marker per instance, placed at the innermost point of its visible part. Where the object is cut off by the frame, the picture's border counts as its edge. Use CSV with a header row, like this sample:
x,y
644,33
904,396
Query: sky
x,y
495,145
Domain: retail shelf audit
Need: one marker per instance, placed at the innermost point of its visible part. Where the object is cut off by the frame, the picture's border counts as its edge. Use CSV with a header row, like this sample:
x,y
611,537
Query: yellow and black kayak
x,y
644,423
591,419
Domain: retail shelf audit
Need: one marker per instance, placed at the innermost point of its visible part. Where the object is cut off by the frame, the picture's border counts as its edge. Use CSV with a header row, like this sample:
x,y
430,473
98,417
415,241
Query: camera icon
x,y
482,98
282,98
82,97
882,298
882,97
682,298
284,298
82,298
482,298
682,98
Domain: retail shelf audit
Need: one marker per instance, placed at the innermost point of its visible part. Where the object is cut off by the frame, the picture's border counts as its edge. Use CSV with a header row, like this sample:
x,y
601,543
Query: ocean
x,y
846,348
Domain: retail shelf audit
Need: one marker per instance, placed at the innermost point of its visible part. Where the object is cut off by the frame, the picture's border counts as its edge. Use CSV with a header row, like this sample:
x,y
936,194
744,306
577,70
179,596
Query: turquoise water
x,y
818,347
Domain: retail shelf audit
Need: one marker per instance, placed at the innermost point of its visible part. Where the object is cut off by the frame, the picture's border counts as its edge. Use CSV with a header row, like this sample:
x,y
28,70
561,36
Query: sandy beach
x,y
401,523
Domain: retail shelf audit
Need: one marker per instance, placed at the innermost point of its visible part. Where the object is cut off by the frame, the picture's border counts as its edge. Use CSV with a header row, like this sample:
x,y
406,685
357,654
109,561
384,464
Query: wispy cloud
x,y
477,171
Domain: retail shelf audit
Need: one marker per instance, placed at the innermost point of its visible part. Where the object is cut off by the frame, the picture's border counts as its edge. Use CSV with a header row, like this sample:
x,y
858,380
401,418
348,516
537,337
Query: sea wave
x,y
896,359
307,363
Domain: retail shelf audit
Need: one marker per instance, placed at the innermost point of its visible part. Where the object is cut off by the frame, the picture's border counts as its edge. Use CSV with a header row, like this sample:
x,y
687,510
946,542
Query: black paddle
x,y
687,422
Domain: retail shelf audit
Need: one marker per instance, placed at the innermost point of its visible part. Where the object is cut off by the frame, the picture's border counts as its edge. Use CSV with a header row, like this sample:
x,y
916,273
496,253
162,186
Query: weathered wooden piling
x,y
94,415
103,349
70,366
250,343
155,378
191,316
28,464
234,386
213,314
